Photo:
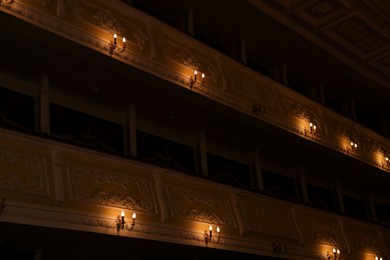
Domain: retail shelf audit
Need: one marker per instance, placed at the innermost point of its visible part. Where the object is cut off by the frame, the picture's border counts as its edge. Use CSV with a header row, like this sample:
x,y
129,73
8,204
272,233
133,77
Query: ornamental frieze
x,y
23,172
364,240
269,221
199,206
97,186
322,231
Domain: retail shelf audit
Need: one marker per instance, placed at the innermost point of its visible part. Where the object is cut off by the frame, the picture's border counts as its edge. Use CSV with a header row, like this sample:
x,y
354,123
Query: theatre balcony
x,y
141,129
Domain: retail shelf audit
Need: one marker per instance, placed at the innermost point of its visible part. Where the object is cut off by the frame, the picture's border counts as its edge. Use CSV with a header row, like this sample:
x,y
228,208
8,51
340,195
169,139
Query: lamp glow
x,y
115,38
120,221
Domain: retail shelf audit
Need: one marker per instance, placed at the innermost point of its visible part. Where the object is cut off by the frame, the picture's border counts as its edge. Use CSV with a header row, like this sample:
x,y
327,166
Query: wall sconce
x,y
113,45
120,221
279,248
259,109
335,256
2,205
378,258
194,80
312,129
385,163
208,237
132,224
350,148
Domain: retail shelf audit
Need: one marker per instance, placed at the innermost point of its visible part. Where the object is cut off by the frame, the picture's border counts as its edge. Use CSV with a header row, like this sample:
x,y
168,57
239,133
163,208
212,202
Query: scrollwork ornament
x,y
187,58
108,22
141,37
6,3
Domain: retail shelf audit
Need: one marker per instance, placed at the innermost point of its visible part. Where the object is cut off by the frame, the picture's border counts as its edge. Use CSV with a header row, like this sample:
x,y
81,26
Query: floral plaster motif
x,y
141,37
109,188
6,3
187,58
198,206
364,240
323,231
23,172
108,22
269,221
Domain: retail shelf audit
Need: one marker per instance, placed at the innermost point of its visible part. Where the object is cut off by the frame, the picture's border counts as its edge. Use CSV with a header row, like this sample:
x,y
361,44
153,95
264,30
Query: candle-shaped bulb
x,y
211,231
115,38
202,75
338,251
218,230
124,42
311,125
195,75
134,216
123,219
334,250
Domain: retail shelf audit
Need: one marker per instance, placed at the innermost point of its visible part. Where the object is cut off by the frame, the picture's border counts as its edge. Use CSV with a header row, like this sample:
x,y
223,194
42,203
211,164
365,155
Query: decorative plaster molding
x,y
364,240
106,20
108,188
23,173
264,220
199,206
316,229
221,81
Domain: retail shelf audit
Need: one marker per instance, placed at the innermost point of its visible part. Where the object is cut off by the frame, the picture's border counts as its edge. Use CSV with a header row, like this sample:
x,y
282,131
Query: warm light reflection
x,y
194,80
351,147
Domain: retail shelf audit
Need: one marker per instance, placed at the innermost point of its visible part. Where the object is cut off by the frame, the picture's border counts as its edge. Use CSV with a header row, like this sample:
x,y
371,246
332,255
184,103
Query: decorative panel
x,y
316,12
195,205
316,229
266,218
23,172
109,188
357,35
362,239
